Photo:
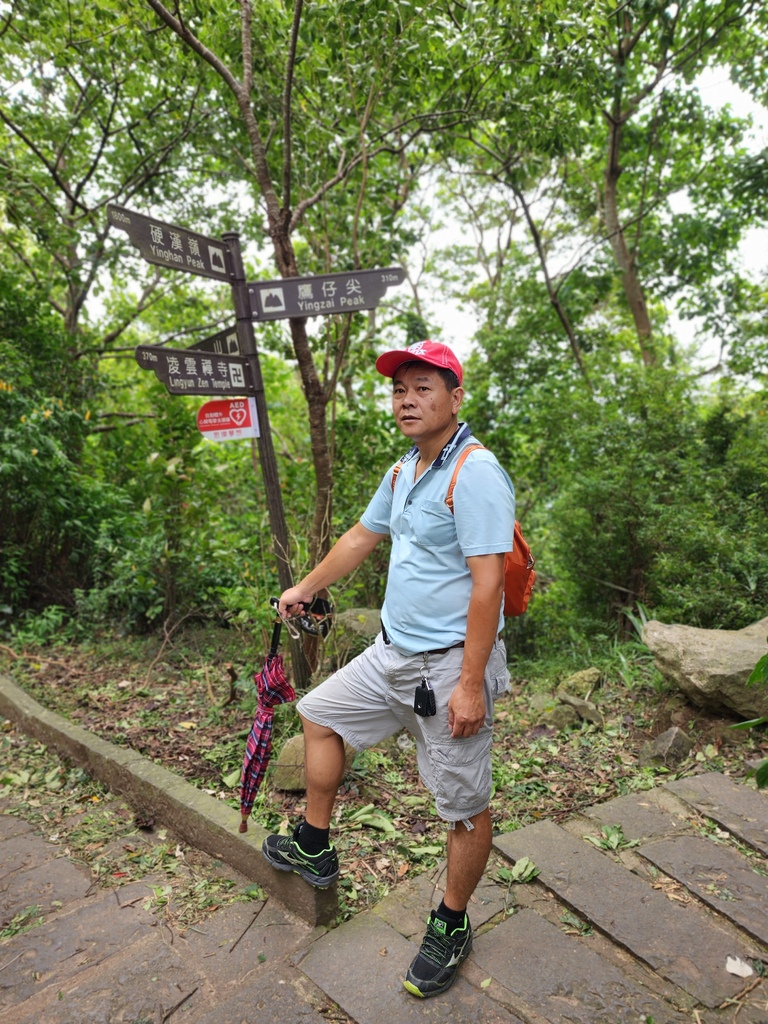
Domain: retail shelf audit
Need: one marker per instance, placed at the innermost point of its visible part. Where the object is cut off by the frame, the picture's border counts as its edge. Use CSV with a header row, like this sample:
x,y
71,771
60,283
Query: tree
x,y
580,369
600,141
50,512
324,99
87,117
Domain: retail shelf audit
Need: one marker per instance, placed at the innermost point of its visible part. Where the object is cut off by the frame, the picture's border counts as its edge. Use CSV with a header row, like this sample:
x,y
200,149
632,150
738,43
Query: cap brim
x,y
388,363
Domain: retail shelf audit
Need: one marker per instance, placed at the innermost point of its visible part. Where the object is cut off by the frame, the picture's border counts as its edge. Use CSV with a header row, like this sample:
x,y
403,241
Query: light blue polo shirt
x,y
429,583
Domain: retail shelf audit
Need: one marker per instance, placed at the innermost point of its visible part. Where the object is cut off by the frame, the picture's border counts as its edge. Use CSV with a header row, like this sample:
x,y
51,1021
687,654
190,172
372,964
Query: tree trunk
x,y
625,260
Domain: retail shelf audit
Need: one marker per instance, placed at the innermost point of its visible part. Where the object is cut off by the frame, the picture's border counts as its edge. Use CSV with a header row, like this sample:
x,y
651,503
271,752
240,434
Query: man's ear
x,y
457,398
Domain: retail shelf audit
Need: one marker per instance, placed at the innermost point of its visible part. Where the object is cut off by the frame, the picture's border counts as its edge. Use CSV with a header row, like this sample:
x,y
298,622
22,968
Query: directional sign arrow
x,y
321,294
190,372
223,343
170,246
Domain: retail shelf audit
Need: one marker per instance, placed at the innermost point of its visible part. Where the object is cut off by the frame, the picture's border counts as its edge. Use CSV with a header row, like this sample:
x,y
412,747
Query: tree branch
x,y
554,298
51,168
290,68
186,34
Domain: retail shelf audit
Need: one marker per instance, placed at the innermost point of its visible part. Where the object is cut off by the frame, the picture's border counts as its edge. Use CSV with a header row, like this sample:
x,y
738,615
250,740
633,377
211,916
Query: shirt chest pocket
x,y
433,524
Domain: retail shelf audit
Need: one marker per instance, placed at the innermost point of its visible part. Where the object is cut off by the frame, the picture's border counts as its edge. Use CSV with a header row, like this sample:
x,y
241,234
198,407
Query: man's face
x,y
423,407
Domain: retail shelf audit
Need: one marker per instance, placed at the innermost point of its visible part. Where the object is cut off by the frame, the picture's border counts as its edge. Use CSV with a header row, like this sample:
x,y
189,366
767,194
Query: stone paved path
x,y
639,935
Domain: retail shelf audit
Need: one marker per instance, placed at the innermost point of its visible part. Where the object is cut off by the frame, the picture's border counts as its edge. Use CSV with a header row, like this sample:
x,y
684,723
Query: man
x,y
438,664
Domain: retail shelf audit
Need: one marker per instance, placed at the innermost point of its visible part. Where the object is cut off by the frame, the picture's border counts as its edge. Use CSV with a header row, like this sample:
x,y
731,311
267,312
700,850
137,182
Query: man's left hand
x,y
466,711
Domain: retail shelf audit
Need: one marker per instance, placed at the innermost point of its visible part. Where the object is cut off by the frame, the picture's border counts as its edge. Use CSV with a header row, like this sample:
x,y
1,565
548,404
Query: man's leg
x,y
448,940
352,700
309,851
324,764
468,852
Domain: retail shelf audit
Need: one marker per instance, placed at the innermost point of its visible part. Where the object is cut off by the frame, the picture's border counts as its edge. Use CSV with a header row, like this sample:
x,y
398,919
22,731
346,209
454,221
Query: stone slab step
x,y
560,978
642,815
361,966
143,981
46,883
232,949
741,810
193,816
67,944
277,998
222,959
23,851
719,875
680,943
11,825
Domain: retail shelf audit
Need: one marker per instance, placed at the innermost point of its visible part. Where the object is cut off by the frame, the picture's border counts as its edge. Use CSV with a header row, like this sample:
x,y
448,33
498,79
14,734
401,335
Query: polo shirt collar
x,y
461,434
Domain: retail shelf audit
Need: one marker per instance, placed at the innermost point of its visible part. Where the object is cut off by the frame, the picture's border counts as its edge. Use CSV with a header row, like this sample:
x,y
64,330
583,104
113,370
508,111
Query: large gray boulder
x,y
353,631
711,666
289,768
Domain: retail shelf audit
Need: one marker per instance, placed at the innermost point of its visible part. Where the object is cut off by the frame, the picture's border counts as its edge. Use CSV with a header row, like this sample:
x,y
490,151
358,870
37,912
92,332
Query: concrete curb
x,y
197,818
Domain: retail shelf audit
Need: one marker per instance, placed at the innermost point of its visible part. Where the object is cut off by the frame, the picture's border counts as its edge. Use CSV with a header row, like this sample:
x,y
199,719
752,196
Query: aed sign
x,y
228,419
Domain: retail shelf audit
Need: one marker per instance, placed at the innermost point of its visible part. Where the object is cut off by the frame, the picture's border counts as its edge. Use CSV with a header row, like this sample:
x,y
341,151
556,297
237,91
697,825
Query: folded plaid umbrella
x,y
273,688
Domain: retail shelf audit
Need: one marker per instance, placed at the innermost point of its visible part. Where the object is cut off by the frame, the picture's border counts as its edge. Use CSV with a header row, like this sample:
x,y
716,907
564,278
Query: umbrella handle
x,y
278,627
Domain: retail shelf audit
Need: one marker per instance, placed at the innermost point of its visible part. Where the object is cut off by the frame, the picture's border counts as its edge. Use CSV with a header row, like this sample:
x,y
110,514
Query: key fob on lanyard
x,y
424,699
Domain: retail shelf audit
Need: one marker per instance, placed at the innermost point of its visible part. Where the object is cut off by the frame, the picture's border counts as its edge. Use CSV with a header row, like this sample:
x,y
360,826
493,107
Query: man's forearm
x,y
349,551
482,619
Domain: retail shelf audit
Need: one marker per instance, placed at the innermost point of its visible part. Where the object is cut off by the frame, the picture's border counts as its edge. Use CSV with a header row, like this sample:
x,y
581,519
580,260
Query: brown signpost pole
x,y
266,451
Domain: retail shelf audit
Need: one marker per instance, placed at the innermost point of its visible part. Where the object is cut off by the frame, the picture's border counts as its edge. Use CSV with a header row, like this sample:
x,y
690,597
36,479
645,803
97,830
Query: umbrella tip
x,y
243,826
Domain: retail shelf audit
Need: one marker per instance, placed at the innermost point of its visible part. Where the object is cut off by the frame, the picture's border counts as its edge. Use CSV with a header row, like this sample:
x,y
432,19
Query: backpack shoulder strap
x,y
398,466
459,463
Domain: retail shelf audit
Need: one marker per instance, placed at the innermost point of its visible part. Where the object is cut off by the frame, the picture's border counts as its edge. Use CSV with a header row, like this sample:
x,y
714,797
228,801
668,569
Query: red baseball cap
x,y
432,352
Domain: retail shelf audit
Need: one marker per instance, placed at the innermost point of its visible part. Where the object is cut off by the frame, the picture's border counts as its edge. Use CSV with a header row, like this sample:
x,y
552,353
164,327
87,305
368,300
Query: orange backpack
x,y
519,576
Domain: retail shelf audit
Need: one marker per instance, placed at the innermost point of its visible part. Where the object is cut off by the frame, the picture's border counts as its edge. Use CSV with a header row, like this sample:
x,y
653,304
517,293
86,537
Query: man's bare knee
x,y
316,731
322,746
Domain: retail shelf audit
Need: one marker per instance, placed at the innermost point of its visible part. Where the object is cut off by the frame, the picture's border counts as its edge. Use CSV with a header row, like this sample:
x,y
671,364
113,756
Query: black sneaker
x,y
443,949
285,854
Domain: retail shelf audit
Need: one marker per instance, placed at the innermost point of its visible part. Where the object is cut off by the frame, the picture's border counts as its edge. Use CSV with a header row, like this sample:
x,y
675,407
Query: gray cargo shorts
x,y
371,698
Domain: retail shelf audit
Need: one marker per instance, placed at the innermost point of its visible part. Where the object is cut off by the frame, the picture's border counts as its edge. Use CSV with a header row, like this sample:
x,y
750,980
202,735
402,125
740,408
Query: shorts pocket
x,y
461,769
497,673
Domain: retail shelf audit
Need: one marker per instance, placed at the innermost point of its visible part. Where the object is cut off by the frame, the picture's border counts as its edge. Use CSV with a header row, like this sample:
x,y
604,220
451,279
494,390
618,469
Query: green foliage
x,y
21,922
758,677
523,870
612,838
92,112
53,623
759,674
761,776
196,538
50,512
635,485
664,509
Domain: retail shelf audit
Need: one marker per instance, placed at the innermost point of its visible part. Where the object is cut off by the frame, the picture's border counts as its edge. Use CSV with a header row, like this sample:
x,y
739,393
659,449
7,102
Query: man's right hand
x,y
295,601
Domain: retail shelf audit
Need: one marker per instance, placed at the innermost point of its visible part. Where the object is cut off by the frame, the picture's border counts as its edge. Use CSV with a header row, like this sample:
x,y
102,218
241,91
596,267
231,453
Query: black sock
x,y
454,917
311,839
